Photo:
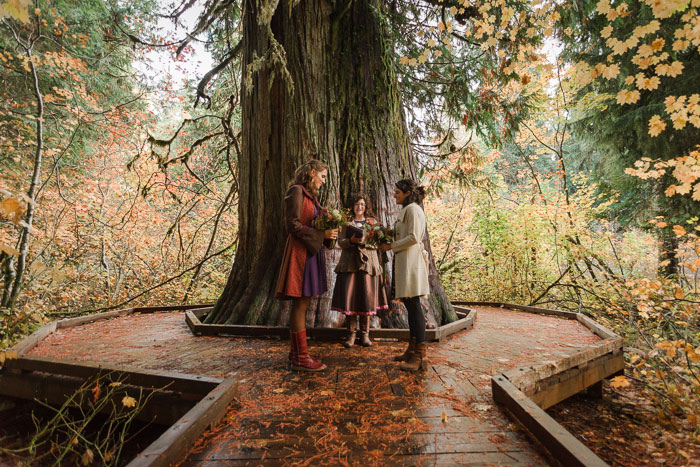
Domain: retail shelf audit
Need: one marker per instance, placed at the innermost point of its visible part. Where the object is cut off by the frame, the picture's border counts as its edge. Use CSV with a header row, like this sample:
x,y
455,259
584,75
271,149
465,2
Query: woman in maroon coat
x,y
303,271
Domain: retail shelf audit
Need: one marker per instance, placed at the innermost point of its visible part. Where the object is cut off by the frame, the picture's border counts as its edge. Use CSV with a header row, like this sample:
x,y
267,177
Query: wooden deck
x,y
362,410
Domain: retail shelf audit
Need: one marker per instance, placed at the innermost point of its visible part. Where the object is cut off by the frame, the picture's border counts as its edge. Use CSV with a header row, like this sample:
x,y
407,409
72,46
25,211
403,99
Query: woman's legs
x,y
416,322
297,319
416,319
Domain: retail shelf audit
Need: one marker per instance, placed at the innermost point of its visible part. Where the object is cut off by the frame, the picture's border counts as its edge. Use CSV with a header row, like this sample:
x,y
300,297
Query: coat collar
x,y
308,194
402,212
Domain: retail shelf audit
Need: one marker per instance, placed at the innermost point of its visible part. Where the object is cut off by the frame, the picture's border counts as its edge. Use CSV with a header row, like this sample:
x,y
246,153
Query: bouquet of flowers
x,y
331,219
378,233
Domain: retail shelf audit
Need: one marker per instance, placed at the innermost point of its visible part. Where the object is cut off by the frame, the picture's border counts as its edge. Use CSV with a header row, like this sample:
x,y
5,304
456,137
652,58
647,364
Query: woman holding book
x,y
358,292
410,269
303,271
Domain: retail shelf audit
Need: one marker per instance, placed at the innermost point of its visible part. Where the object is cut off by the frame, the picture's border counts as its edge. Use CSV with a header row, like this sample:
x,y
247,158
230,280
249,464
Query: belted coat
x,y
411,273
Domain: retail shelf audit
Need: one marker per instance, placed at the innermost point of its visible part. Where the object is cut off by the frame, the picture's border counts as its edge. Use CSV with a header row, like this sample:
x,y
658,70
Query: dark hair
x,y
302,175
417,191
355,197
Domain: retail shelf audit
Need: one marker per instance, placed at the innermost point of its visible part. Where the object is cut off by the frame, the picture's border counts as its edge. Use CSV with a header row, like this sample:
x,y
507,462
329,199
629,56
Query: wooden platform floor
x,y
362,410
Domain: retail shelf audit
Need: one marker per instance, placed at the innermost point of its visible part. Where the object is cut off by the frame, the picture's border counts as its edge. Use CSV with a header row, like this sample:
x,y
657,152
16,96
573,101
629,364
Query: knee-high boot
x,y
351,324
364,331
301,360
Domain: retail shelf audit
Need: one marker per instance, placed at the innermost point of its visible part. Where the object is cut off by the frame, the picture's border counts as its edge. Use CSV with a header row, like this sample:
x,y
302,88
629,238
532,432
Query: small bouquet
x,y
378,233
331,219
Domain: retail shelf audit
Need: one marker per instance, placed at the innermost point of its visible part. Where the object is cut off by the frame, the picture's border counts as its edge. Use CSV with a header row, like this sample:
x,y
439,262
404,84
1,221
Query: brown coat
x,y
357,257
302,238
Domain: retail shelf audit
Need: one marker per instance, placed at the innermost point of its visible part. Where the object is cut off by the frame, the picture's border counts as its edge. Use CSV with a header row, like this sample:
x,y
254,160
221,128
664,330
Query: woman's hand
x,y
331,233
385,247
356,240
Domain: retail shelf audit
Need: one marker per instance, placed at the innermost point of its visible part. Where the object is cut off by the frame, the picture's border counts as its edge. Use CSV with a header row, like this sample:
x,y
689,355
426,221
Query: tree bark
x,y
345,109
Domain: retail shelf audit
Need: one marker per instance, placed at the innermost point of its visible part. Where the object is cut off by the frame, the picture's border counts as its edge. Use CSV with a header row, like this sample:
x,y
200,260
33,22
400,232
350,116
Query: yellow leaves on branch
x,y
665,8
18,9
683,110
672,69
645,83
656,125
686,170
628,96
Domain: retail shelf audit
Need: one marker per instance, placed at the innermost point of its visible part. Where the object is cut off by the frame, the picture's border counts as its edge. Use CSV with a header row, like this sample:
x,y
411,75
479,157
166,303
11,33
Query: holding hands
x,y
331,233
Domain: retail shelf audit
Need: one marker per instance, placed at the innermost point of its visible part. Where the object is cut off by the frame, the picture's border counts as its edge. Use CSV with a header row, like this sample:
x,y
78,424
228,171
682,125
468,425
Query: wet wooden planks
x,y
363,410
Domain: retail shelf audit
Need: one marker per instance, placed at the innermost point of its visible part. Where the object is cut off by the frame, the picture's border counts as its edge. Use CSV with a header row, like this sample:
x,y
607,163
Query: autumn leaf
x,y
128,401
87,457
656,125
96,392
627,96
11,209
619,382
679,230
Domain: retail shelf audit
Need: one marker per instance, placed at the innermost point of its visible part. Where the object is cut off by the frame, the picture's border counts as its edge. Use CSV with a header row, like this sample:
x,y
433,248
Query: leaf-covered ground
x,y
623,428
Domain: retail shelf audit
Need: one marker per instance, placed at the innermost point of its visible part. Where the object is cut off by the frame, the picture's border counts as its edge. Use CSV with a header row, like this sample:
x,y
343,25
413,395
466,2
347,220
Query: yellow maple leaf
x,y
611,71
606,31
678,229
656,125
675,69
658,44
619,382
627,96
128,401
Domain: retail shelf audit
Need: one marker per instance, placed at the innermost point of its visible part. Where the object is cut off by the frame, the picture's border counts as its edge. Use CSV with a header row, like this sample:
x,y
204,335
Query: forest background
x,y
563,173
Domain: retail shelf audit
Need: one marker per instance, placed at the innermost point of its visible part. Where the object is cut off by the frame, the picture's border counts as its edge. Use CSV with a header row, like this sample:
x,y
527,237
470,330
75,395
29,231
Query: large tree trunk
x,y
345,109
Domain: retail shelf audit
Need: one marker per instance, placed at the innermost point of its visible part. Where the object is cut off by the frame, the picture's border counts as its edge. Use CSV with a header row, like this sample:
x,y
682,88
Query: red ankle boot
x,y
300,359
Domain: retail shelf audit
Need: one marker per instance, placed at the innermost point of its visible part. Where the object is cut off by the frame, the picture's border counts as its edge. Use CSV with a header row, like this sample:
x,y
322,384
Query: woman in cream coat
x,y
410,269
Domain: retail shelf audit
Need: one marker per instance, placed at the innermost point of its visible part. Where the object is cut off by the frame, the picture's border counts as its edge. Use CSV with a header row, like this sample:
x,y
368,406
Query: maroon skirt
x,y
358,293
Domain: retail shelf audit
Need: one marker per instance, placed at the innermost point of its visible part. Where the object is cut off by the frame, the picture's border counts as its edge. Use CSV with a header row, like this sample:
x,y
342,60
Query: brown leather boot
x,y
351,324
302,361
406,356
418,360
364,331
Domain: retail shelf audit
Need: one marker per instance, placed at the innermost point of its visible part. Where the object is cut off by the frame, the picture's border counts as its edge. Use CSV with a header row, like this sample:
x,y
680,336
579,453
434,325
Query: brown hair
x,y
302,175
355,197
417,191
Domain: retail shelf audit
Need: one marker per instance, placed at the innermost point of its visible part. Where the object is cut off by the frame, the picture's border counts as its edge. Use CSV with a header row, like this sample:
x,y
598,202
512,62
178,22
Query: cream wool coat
x,y
411,275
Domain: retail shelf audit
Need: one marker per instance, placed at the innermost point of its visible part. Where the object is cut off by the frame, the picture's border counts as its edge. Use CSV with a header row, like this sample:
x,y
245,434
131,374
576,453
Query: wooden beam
x,y
154,309
150,379
552,390
525,378
31,341
562,445
597,329
530,309
174,444
71,322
